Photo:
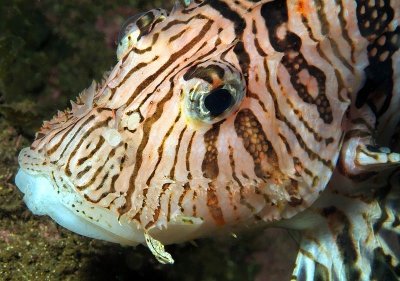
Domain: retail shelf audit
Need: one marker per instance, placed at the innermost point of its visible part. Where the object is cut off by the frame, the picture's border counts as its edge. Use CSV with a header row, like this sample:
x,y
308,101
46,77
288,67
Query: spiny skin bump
x,y
148,150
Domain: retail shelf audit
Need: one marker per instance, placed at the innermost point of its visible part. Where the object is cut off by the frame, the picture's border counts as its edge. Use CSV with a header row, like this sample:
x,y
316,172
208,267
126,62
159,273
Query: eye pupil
x,y
218,101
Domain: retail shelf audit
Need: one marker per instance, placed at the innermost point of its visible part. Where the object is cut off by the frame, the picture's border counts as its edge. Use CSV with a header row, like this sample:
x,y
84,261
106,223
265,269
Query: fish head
x,y
177,141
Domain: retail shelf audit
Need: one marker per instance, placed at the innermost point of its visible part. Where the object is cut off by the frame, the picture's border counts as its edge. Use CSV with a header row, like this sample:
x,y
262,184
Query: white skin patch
x,y
130,121
112,137
133,121
276,193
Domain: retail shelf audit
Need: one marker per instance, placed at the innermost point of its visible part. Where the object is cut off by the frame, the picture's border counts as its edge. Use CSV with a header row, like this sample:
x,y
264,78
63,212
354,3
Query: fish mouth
x,y
48,191
45,196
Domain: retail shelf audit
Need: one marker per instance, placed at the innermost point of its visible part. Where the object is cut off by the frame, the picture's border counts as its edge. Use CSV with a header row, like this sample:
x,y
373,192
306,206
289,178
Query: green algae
x,y
49,52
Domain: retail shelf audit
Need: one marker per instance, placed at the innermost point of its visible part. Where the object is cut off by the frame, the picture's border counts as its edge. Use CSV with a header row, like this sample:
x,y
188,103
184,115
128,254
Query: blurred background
x,y
49,52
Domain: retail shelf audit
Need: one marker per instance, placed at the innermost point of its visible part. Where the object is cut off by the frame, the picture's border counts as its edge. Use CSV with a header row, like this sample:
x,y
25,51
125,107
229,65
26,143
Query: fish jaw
x,y
48,191
44,196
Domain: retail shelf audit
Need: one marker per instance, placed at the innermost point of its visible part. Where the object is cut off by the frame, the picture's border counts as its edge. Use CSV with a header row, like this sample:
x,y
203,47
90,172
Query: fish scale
x,y
222,115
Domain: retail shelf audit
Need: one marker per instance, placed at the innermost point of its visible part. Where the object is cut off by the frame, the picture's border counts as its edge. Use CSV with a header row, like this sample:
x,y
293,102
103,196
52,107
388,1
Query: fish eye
x,y
211,92
218,101
128,27
137,26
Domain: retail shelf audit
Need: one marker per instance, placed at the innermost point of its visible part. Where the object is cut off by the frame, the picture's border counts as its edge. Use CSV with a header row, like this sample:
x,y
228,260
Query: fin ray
x,y
357,237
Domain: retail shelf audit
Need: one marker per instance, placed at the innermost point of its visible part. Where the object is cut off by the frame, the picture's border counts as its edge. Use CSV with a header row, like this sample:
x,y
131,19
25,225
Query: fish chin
x,y
43,199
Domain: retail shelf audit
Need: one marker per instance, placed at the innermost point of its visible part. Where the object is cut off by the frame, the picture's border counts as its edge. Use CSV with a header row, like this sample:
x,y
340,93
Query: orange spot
x,y
216,81
303,7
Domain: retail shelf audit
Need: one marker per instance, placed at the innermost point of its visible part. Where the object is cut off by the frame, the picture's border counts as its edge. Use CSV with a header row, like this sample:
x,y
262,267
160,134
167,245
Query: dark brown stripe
x,y
232,164
308,27
161,149
321,102
113,180
243,200
345,32
338,74
92,152
172,172
284,140
259,49
225,10
102,183
213,205
299,115
139,156
138,51
157,211
345,241
82,139
194,209
92,179
189,149
188,11
136,68
55,147
98,171
312,155
169,207
257,44
243,57
209,165
83,172
177,36
176,22
299,166
325,30
173,58
257,98
186,188
67,128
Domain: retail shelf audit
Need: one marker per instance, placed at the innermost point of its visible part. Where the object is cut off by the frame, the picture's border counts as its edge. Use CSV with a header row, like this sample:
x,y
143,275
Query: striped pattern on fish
x,y
221,113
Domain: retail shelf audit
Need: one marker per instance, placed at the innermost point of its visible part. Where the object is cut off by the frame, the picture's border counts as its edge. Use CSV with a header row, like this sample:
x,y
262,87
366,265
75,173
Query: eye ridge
x,y
128,25
218,101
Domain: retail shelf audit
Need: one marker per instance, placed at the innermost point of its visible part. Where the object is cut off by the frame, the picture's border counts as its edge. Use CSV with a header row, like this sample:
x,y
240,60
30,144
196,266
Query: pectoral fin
x,y
354,238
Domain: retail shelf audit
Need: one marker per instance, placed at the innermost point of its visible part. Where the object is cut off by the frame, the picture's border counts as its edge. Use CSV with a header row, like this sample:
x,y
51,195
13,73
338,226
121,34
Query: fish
x,y
222,116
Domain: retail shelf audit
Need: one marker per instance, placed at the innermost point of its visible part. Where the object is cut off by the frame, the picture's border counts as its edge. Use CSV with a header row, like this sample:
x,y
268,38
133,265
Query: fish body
x,y
225,115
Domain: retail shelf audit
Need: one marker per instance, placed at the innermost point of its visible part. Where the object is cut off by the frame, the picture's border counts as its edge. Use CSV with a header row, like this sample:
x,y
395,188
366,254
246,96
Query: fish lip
x,y
48,191
69,210
46,194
